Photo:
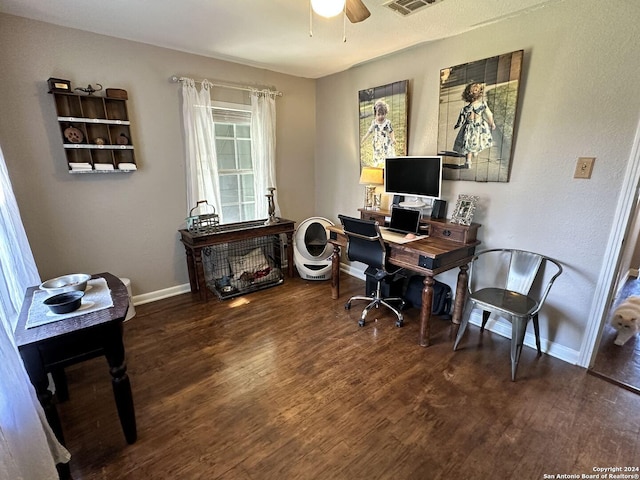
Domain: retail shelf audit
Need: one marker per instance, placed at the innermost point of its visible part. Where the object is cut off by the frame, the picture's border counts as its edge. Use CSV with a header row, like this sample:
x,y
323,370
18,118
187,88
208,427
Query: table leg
x,y
40,380
461,296
290,271
335,272
425,311
193,279
114,351
202,284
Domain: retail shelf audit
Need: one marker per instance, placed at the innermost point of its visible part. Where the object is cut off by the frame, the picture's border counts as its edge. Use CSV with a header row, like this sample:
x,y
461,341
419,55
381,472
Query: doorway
x,y
620,364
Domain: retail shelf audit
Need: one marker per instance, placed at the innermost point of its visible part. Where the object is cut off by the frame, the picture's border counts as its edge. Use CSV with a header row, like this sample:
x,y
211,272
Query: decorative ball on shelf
x,y
122,139
73,135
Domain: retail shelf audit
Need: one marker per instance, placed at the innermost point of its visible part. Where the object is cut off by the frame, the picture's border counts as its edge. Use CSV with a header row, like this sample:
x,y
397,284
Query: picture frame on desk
x,y
464,209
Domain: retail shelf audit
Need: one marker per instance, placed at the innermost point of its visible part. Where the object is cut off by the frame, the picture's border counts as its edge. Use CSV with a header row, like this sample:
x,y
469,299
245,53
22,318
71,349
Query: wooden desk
x,y
229,233
51,347
429,257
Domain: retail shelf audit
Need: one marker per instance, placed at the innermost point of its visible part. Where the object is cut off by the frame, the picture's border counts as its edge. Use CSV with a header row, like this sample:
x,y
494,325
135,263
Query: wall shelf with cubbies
x,y
95,132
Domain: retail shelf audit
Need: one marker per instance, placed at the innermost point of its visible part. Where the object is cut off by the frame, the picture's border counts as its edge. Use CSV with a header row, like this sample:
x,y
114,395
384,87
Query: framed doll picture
x,y
383,123
477,116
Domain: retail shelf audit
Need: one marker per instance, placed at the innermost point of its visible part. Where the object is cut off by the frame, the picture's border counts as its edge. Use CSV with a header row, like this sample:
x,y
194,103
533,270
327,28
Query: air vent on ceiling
x,y
407,7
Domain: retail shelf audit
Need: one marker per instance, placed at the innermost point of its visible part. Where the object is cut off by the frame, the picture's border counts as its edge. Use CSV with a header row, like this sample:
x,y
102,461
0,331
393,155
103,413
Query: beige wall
x,y
577,99
124,224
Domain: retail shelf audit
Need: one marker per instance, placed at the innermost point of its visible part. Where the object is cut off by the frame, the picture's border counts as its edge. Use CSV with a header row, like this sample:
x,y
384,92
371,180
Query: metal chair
x,y
500,282
365,244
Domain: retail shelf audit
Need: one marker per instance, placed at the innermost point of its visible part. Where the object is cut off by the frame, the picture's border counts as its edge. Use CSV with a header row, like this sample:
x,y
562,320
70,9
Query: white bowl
x,y
66,283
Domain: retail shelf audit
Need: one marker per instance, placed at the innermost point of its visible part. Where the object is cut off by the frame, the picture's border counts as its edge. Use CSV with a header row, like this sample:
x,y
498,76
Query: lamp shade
x,y
371,176
327,8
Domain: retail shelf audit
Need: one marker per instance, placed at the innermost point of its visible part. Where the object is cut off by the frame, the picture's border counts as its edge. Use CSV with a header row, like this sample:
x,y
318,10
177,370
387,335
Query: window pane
x,y
226,151
243,131
249,211
231,214
224,130
244,155
229,193
248,195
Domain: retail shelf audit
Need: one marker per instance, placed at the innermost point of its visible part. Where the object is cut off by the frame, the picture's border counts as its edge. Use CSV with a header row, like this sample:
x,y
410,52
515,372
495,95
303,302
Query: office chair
x,y
500,282
365,244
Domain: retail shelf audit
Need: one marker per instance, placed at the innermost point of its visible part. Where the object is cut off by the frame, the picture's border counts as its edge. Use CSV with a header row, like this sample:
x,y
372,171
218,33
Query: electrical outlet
x,y
584,167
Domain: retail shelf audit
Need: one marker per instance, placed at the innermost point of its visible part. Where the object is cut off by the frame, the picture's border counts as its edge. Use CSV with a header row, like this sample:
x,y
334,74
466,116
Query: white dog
x,y
626,320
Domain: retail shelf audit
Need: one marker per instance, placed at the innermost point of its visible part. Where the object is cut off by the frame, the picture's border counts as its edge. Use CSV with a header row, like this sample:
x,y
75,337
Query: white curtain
x,y
200,143
28,447
263,148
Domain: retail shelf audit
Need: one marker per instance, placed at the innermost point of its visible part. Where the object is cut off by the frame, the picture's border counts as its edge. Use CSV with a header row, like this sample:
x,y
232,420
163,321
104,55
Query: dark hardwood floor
x,y
283,384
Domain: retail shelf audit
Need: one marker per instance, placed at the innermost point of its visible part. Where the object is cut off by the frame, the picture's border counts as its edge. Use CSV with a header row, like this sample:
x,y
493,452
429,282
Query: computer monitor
x,y
416,177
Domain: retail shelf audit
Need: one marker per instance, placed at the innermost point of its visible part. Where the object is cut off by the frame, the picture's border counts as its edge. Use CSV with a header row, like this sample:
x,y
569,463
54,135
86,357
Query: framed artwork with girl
x,y
478,103
383,123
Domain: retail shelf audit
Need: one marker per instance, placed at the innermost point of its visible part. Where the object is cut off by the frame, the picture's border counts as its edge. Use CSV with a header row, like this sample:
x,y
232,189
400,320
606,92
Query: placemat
x,y
97,297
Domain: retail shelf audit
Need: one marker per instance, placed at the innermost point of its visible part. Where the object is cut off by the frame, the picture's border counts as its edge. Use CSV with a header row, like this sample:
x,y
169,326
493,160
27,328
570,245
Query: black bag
x,y
442,297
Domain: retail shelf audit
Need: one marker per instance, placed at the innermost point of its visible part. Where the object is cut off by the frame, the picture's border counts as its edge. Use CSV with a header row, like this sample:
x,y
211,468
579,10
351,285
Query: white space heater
x,y
312,252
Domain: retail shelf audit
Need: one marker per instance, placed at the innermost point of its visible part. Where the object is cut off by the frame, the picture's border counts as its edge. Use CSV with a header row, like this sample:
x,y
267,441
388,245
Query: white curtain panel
x,y
263,148
28,447
200,144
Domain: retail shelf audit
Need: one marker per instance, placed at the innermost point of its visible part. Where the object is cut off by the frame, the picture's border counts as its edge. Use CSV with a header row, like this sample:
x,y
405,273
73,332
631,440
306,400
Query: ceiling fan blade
x,y
357,11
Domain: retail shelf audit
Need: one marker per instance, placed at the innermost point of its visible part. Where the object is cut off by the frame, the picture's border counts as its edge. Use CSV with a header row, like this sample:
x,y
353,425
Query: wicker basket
x,y
199,222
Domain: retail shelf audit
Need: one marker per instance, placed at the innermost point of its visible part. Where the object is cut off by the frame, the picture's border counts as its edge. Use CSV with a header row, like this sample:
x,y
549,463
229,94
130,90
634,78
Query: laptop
x,y
404,220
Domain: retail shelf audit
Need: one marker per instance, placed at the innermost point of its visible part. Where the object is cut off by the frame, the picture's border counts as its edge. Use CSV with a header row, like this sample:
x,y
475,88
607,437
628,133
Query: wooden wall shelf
x,y
96,133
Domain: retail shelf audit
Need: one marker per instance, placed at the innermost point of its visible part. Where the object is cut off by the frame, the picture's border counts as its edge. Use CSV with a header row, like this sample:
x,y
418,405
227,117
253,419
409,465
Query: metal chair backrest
x,y
364,241
515,270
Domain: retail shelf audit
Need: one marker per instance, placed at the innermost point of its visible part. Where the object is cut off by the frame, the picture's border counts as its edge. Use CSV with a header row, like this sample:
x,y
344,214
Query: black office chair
x,y
365,244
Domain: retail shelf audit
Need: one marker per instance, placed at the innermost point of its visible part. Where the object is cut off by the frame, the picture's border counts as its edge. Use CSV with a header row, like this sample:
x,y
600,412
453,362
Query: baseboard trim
x,y
160,294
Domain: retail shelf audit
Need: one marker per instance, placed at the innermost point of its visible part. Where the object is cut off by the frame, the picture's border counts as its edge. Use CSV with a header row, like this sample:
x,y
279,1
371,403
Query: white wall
x,y
124,224
577,99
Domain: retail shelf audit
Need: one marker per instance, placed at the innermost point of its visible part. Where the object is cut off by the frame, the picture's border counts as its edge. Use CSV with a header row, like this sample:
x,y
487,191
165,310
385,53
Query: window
x,y
235,164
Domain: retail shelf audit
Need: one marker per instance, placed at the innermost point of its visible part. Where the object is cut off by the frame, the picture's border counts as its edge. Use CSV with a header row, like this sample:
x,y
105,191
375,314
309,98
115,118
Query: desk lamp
x,y
371,177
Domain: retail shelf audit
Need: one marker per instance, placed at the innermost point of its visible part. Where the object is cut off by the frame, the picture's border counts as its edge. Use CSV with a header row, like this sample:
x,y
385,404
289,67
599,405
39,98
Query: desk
x,y
229,233
429,257
51,347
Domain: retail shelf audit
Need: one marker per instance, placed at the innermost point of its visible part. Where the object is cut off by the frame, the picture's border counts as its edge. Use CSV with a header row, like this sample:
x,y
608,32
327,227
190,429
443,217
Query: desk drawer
x,y
453,231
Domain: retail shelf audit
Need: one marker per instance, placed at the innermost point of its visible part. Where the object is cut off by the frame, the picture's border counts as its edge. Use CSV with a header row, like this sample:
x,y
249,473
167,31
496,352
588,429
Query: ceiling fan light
x,y
328,8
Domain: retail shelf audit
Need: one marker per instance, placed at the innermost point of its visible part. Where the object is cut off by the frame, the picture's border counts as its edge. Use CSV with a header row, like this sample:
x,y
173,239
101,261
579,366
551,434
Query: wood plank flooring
x,y
283,384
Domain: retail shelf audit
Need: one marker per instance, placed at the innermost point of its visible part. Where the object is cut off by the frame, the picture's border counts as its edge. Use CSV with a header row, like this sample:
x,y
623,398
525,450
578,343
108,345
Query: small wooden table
x,y
229,233
51,347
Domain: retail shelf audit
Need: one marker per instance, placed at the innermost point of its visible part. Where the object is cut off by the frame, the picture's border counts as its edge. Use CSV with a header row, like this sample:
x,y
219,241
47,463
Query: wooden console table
x,y
448,246
229,233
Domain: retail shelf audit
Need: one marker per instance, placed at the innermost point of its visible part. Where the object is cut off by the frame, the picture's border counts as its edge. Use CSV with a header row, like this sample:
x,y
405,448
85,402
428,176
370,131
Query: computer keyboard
x,y
389,236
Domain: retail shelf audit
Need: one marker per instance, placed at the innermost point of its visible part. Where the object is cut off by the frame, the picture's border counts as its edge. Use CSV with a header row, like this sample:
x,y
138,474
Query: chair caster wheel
x,y
347,306
361,323
399,323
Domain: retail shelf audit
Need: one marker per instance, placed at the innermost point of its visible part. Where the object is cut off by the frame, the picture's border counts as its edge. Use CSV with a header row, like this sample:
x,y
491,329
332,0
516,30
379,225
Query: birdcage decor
x,y
203,219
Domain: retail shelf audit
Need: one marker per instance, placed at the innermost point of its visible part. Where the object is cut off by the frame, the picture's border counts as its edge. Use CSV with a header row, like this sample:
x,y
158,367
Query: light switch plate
x,y
584,167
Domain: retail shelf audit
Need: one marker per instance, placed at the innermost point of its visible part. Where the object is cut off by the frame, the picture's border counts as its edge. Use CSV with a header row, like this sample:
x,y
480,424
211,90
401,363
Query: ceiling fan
x,y
355,10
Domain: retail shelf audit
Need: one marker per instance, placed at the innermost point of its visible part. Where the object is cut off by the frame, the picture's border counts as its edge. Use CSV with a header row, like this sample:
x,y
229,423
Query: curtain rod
x,y
176,79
